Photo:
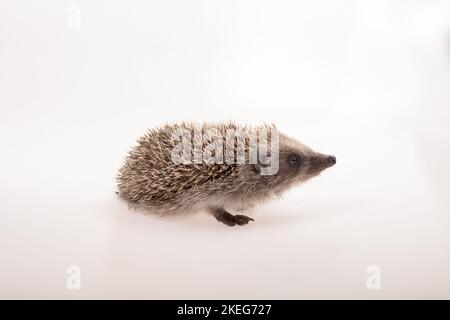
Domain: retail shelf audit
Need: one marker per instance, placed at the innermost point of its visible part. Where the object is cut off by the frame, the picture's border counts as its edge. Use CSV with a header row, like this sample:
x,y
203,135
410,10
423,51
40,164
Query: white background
x,y
367,81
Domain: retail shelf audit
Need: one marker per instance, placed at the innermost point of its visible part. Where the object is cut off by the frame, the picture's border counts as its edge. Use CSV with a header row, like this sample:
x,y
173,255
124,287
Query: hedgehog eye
x,y
294,160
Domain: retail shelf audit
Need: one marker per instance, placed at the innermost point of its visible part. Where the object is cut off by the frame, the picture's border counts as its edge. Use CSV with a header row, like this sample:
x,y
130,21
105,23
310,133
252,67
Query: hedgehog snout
x,y
326,161
331,160
320,162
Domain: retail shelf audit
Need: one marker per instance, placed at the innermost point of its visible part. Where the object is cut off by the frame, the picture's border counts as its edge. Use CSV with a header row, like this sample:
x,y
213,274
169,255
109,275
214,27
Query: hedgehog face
x,y
301,166
298,163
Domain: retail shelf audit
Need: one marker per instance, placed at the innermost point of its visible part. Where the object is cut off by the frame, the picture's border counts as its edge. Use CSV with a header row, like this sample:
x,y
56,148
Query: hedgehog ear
x,y
256,168
260,165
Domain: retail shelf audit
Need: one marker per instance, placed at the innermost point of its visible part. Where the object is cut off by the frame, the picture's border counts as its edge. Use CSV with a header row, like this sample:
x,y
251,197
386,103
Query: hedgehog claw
x,y
241,219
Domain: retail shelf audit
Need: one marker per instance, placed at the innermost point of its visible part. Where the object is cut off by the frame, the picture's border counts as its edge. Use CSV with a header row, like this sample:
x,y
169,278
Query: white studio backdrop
x,y
367,81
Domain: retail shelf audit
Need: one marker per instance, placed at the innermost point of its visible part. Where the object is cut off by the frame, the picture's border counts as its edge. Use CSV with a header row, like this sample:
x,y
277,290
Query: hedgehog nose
x,y
331,160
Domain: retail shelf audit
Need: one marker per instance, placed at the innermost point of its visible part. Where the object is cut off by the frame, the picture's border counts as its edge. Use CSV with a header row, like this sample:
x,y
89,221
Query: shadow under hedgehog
x,y
187,167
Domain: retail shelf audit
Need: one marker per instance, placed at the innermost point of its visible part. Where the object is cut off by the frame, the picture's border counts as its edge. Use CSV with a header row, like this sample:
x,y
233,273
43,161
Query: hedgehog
x,y
214,167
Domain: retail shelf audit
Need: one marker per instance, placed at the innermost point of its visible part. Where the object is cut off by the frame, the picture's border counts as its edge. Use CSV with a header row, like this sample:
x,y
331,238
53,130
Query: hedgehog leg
x,y
227,218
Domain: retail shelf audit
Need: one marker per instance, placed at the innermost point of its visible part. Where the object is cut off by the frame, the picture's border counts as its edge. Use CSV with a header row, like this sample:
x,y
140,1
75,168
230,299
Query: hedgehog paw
x,y
230,220
241,219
